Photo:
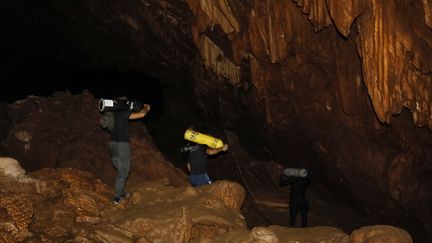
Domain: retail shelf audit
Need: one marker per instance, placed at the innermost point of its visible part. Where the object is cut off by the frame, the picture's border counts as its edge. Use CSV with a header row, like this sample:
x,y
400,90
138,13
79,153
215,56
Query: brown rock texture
x,y
64,131
380,233
76,206
232,194
336,77
340,87
79,207
394,78
395,63
177,214
20,210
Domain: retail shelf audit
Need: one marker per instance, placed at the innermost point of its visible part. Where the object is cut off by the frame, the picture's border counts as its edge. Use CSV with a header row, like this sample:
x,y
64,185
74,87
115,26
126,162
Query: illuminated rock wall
x,y
349,80
394,45
342,87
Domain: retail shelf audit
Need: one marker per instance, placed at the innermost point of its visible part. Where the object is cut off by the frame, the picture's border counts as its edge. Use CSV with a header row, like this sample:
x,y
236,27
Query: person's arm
x,y
141,113
188,167
211,151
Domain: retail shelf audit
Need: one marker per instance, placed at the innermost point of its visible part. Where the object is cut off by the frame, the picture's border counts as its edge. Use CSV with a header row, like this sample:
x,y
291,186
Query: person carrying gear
x,y
198,150
116,120
299,180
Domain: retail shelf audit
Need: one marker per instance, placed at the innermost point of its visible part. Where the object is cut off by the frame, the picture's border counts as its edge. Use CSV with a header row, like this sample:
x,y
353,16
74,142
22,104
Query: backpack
x,y
107,121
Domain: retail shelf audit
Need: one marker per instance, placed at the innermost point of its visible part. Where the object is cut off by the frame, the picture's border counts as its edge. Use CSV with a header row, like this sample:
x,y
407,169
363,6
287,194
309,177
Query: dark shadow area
x,y
108,84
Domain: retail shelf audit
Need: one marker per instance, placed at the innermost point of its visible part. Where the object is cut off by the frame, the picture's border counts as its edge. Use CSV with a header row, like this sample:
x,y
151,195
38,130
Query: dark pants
x,y
299,204
198,180
121,155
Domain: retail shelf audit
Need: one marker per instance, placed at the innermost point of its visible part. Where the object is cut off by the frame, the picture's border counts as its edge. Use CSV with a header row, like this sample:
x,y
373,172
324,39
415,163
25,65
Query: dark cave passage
x,y
45,79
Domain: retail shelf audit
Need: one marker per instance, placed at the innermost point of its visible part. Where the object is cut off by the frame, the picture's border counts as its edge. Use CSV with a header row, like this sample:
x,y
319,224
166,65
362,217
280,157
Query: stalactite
x,y
214,59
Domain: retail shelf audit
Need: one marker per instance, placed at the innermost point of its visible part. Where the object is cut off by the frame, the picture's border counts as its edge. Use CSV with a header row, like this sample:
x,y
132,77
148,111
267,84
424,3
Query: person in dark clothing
x,y
298,201
197,163
120,148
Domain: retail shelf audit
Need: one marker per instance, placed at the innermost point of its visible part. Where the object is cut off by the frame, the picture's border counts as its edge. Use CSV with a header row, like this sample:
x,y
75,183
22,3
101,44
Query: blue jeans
x,y
198,180
121,155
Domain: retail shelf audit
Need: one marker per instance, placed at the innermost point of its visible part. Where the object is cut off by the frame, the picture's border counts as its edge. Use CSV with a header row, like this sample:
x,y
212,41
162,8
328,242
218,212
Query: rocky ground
x,y
69,205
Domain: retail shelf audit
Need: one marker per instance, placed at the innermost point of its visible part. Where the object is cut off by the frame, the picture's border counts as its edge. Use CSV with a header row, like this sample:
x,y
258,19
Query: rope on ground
x,y
257,206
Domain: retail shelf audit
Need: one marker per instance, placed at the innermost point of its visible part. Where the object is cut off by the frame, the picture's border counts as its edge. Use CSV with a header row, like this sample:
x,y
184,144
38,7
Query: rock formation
x,y
72,205
64,131
11,167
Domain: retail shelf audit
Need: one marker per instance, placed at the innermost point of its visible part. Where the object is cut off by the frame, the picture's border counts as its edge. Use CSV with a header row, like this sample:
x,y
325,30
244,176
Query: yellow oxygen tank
x,y
202,138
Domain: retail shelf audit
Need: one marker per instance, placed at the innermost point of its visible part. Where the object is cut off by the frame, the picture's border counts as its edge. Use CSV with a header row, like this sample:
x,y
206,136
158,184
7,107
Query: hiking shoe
x,y
123,197
117,200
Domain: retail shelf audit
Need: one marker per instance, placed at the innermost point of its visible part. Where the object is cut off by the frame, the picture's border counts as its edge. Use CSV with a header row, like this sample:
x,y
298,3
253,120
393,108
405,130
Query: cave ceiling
x,y
391,39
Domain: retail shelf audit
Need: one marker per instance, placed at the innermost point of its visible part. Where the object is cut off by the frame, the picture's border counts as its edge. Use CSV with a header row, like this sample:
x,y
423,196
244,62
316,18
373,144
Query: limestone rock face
x,y
178,214
334,76
380,233
394,78
342,87
64,131
11,167
75,206
232,194
275,233
20,211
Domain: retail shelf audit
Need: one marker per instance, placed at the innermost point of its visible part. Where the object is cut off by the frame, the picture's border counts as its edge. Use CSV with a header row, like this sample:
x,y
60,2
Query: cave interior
x,y
343,89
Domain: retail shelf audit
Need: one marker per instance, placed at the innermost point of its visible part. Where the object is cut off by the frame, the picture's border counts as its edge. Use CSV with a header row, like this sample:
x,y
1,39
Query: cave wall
x,y
349,81
342,87
393,40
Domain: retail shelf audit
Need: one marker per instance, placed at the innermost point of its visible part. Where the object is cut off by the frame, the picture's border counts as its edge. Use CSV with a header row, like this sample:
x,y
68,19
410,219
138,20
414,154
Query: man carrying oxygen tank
x,y
299,181
202,145
117,114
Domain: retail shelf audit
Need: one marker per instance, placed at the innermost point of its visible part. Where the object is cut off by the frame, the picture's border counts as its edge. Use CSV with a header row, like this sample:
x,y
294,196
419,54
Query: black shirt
x,y
299,184
198,160
120,131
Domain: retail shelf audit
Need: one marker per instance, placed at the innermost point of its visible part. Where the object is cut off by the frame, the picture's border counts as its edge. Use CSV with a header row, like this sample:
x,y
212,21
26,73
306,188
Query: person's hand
x,y
146,108
212,151
225,147
141,113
